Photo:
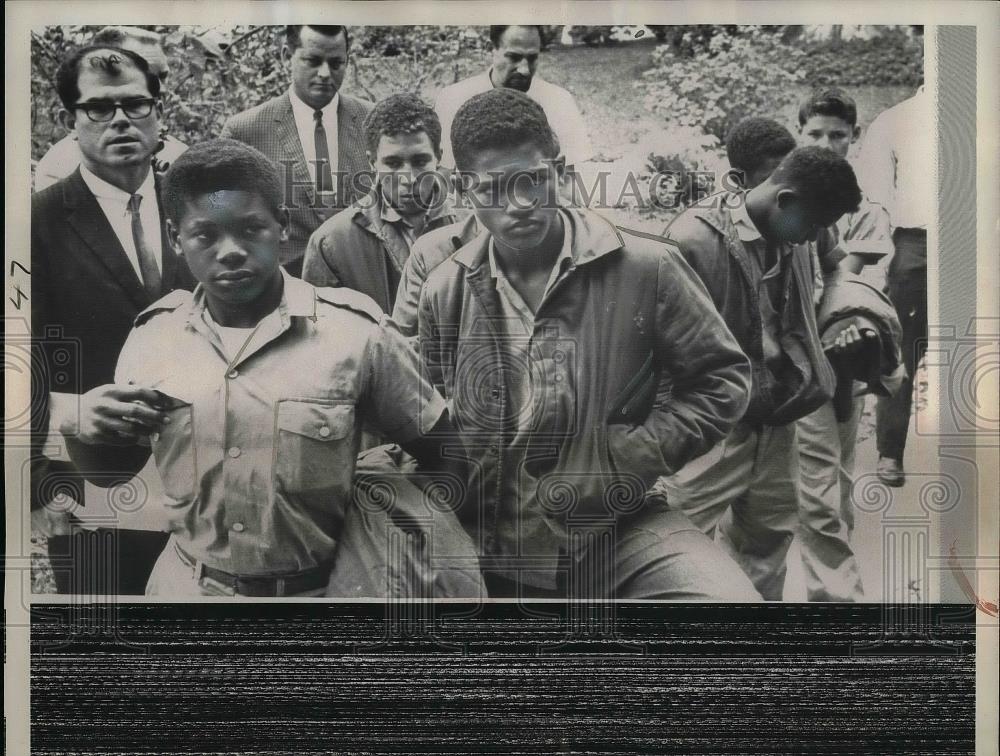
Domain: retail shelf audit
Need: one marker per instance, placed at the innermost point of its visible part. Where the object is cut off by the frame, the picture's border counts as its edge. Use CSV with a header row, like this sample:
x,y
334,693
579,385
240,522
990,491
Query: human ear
x,y
855,134
67,119
284,220
286,53
786,198
173,237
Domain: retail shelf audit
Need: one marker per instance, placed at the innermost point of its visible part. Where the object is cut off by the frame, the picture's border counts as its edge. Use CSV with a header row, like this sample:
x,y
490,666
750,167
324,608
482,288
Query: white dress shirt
x,y
305,125
64,157
896,166
114,203
559,106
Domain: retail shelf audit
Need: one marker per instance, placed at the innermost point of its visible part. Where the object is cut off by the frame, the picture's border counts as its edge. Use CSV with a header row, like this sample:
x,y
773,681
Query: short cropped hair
x,y
496,32
115,35
107,59
219,164
293,34
830,102
825,181
496,119
755,140
403,113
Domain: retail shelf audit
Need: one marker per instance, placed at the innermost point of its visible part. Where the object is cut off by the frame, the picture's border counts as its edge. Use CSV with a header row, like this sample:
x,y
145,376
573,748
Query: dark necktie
x,y
151,280
324,178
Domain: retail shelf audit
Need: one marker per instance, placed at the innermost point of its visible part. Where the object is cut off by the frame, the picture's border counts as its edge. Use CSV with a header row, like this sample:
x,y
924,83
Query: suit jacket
x,y
270,128
85,294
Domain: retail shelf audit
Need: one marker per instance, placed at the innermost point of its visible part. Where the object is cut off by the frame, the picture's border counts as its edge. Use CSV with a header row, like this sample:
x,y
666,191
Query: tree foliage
x,y
216,72
726,78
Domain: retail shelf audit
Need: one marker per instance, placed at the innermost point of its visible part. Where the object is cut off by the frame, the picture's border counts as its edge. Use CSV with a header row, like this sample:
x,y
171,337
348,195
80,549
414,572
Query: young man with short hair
x,y
750,251
580,362
827,436
254,390
755,147
365,247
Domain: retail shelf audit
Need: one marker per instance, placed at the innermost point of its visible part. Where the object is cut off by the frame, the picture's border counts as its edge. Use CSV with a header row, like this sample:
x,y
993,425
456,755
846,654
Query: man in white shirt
x,y
313,132
63,157
515,60
99,258
896,169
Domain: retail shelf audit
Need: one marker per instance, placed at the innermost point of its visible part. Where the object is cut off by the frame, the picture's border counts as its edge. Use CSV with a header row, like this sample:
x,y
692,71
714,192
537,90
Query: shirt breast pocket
x,y
174,450
316,446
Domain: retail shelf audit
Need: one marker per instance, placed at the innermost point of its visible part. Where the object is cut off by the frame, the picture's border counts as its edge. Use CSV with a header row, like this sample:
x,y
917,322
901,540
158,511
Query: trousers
x,y
907,288
826,510
744,493
657,554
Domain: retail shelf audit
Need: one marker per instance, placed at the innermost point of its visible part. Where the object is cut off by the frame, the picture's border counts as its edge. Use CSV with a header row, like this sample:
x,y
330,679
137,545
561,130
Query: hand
x,y
850,341
118,415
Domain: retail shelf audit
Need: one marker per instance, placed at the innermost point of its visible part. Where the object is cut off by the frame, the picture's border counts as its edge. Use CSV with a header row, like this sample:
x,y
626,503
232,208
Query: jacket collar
x,y
593,237
370,212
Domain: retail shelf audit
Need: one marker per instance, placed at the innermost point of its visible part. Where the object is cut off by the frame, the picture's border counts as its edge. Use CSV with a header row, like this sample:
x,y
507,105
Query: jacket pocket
x,y
634,402
315,447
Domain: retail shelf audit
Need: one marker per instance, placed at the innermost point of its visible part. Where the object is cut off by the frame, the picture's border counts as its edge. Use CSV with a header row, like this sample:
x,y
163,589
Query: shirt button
x,y
233,374
234,451
324,431
239,527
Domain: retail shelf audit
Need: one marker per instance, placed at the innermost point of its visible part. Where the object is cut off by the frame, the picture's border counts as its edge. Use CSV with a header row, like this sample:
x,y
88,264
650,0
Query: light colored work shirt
x,y
258,458
559,106
114,203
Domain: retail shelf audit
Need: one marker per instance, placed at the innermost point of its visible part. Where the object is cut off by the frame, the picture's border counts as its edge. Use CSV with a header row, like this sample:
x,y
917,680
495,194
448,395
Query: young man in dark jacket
x,y
750,251
580,362
366,246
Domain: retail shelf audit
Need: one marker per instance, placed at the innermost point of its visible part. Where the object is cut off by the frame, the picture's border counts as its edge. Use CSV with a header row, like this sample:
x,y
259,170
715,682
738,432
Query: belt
x,y
286,584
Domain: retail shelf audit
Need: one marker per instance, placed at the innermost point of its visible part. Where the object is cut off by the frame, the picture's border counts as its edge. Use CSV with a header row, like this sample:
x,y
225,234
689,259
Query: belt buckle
x,y
215,587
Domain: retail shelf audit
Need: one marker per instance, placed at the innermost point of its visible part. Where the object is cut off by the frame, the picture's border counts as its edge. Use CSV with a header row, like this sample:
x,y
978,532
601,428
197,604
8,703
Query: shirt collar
x,y
746,230
101,189
564,260
302,110
593,236
377,207
298,299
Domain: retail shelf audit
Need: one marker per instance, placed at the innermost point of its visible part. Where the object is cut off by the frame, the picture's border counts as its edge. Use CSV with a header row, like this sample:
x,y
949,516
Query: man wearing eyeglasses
x,y
99,258
64,156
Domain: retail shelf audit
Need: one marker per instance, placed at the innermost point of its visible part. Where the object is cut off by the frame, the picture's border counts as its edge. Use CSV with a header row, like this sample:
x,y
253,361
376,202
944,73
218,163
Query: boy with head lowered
x,y
580,361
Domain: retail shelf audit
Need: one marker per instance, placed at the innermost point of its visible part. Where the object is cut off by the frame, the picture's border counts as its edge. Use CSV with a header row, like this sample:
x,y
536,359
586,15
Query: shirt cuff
x,y
64,414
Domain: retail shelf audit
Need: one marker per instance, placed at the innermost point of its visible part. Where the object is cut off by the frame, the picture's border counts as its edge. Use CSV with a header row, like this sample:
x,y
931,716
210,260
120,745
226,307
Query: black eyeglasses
x,y
101,111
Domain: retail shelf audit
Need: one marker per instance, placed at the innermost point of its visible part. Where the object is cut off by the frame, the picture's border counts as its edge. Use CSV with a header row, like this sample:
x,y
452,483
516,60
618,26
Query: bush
x,y
215,73
727,78
892,59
